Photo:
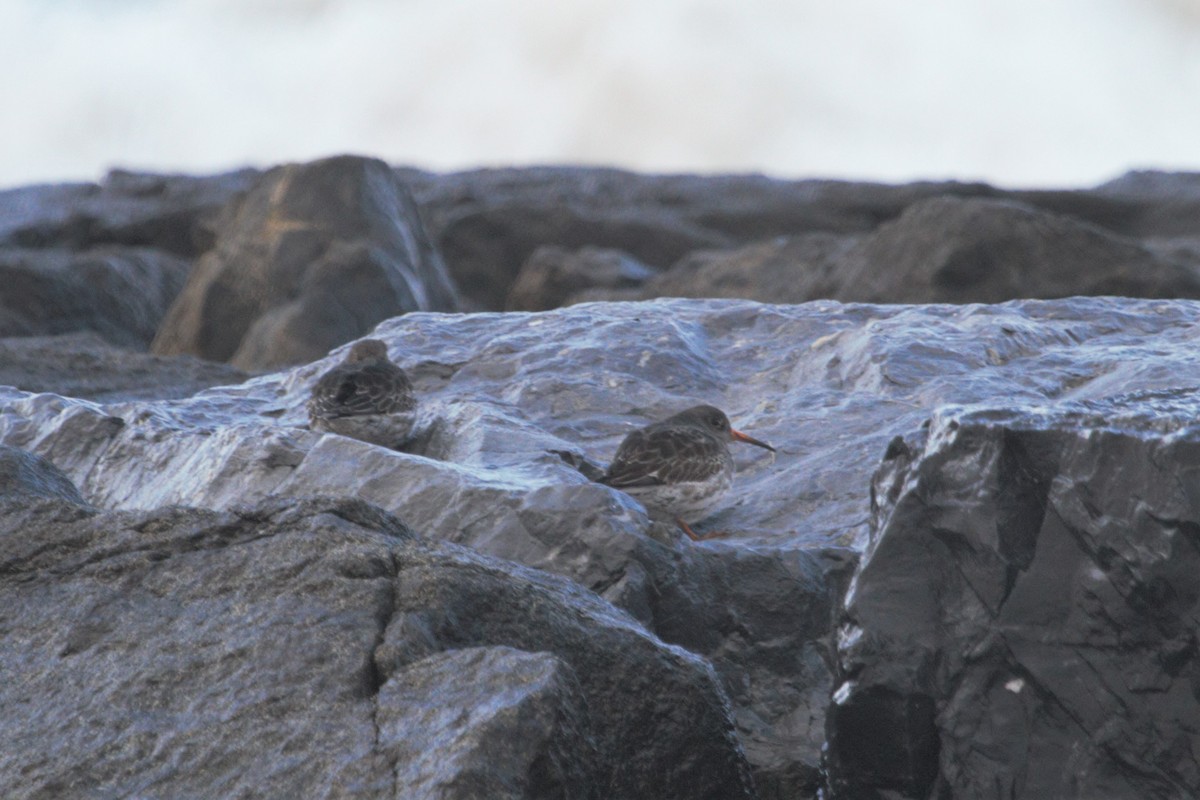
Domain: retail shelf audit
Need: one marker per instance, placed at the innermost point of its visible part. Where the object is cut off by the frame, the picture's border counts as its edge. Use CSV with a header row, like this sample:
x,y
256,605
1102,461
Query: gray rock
x,y
120,293
311,257
788,269
1023,624
25,477
295,648
84,366
828,384
553,274
949,250
172,213
489,222
489,722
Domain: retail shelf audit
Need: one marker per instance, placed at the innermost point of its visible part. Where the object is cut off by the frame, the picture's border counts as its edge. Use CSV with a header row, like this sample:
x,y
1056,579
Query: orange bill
x,y
741,437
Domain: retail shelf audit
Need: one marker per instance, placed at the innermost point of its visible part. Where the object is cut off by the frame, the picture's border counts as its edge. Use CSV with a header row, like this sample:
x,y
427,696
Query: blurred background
x,y
1033,93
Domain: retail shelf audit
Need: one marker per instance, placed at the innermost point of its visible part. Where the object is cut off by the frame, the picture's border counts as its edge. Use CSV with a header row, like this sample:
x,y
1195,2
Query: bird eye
x,y
716,422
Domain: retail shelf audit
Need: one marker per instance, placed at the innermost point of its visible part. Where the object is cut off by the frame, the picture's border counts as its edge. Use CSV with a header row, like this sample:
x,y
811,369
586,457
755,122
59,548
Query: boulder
x,y
487,223
1023,622
554,274
312,256
171,213
787,269
951,250
26,477
316,648
85,366
120,293
502,394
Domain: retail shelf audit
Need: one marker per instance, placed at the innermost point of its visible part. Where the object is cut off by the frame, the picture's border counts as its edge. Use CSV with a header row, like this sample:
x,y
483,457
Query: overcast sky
x,y
1017,92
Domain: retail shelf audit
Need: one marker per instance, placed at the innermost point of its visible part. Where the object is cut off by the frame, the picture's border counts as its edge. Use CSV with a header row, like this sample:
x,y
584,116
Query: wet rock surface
x,y
1084,402
828,384
1024,620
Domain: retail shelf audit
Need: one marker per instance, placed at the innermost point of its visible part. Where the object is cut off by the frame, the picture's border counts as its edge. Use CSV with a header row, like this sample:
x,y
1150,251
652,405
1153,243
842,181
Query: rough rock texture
x,y
513,404
119,293
828,384
85,366
1024,622
304,648
25,477
312,256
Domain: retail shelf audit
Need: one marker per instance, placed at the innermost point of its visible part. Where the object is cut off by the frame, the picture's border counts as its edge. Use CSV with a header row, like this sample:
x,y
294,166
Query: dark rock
x,y
489,222
552,274
1159,204
525,731
660,726
1023,624
164,212
312,256
949,250
503,395
85,366
789,269
25,477
295,648
120,293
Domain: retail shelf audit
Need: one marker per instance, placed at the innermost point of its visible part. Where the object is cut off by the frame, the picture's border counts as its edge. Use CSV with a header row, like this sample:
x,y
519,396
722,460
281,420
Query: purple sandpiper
x,y
679,468
366,397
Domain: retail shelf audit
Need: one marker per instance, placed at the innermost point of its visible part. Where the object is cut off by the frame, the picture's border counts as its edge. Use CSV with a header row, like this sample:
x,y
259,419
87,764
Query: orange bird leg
x,y
697,537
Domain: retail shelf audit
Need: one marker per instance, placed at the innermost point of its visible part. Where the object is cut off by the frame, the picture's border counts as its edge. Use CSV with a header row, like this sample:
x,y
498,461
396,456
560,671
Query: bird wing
x,y
662,456
353,390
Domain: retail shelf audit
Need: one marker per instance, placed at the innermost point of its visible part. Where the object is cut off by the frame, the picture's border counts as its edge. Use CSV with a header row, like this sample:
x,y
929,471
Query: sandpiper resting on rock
x,y
366,397
679,468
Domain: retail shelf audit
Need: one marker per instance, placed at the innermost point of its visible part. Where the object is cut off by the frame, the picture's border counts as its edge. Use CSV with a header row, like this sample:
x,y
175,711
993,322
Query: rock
x,y
25,477
1023,623
948,250
489,222
553,274
294,648
311,257
524,732
503,394
1158,204
171,213
85,366
119,293
789,269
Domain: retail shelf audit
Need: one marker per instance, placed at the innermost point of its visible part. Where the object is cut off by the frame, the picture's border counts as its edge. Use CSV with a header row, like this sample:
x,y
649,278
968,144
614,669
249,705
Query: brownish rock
x,y
952,250
553,274
311,257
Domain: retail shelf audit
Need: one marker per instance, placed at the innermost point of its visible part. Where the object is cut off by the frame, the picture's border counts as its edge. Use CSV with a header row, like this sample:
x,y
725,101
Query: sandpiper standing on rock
x,y
679,468
366,397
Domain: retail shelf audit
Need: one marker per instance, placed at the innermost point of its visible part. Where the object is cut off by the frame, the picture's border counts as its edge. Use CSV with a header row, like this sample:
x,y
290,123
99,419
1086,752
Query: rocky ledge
x,y
830,385
970,569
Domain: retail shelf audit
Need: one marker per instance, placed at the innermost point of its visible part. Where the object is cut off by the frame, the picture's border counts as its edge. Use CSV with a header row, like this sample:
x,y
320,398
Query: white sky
x,y
1018,92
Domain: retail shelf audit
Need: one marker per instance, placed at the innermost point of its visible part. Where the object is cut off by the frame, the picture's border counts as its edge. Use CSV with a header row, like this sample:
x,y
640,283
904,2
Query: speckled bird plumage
x,y
679,468
365,397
